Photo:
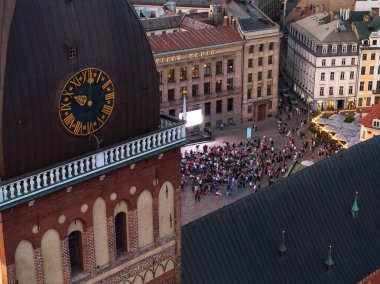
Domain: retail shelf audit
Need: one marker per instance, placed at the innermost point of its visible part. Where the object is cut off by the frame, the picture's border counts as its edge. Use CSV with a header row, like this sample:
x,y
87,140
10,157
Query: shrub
x,y
349,119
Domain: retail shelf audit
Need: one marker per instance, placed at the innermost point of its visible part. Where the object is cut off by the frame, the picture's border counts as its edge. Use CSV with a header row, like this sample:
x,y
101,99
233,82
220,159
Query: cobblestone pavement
x,y
192,210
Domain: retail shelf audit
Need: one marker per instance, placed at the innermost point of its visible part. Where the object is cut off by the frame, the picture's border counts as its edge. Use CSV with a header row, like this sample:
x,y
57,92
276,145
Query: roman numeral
x,y
107,109
65,107
75,81
106,84
110,96
90,127
100,121
86,74
66,93
78,127
99,76
69,120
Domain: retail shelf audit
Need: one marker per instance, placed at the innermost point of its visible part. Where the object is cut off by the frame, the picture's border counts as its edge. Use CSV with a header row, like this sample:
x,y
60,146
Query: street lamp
x,y
184,93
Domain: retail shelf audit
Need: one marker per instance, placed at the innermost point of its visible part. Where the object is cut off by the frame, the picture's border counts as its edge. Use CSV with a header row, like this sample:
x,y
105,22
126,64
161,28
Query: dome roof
x,y
100,35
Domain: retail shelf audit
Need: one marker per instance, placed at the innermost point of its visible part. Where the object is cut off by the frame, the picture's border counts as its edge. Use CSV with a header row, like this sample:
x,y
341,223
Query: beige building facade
x,y
211,79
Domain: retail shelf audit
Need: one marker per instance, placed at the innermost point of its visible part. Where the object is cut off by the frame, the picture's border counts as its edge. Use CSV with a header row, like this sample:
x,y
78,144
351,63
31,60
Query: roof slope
x,y
373,114
193,39
237,244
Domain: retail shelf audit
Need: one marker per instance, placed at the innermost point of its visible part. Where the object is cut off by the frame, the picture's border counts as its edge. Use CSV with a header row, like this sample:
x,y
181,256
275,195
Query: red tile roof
x,y
193,39
374,114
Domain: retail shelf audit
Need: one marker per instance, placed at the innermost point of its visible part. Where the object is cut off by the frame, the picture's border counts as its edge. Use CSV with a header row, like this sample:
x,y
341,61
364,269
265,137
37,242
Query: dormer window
x,y
344,48
354,48
376,123
324,49
334,48
72,51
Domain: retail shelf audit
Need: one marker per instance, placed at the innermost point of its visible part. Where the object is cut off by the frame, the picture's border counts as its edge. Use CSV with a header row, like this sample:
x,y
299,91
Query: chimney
x,y
225,21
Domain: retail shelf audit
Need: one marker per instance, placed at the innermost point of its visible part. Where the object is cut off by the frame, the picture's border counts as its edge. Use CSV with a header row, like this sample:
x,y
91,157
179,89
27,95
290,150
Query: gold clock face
x,y
86,102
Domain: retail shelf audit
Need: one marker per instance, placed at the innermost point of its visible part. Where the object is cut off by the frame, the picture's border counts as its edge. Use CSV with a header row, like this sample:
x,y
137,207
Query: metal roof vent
x,y
281,249
355,207
329,263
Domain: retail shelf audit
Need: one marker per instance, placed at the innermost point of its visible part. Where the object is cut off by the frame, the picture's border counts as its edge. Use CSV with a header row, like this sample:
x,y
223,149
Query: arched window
x,y
121,232
75,249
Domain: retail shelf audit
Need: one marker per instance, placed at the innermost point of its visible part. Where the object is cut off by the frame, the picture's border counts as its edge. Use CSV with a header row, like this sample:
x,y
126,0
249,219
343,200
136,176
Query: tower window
x,y
72,51
75,249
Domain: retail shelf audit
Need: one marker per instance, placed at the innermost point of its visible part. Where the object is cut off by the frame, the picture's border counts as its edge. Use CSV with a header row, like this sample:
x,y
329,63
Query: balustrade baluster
x,y
106,157
163,137
44,177
38,181
87,164
76,168
57,175
5,193
31,182
122,153
111,156
128,150
143,140
51,176
25,185
18,187
117,153
138,142
93,162
70,170
2,194
12,189
154,140
169,136
63,172
81,166
133,148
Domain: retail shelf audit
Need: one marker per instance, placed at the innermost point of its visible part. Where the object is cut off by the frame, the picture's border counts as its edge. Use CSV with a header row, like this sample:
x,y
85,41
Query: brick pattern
x,y
178,232
39,266
111,240
133,232
88,250
156,233
65,253
11,274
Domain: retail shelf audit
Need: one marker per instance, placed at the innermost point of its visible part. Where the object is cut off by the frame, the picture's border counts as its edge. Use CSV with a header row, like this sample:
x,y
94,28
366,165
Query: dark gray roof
x,y
237,244
365,29
161,23
184,3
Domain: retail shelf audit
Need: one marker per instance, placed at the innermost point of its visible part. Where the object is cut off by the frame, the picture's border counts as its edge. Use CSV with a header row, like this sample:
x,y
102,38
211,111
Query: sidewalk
x,y
192,210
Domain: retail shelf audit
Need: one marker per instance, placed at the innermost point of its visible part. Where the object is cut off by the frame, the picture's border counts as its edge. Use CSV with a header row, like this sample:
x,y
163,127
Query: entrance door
x,y
340,104
261,112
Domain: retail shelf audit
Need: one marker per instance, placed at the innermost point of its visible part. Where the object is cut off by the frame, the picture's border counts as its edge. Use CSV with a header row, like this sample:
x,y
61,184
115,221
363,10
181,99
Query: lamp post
x,y
184,93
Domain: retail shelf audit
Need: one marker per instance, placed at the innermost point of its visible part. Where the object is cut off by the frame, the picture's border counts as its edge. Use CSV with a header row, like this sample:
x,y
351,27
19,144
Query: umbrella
x,y
335,123
342,137
348,131
352,142
352,125
321,120
331,128
338,117
307,163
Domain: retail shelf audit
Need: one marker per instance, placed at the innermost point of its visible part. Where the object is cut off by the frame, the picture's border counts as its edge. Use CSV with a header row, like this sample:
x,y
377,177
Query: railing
x,y
66,173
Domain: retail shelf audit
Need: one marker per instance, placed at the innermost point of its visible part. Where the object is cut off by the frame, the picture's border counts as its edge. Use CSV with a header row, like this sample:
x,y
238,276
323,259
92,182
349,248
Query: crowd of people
x,y
221,169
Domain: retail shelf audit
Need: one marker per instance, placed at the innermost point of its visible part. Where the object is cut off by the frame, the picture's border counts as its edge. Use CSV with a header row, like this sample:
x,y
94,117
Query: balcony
x,y
376,92
172,133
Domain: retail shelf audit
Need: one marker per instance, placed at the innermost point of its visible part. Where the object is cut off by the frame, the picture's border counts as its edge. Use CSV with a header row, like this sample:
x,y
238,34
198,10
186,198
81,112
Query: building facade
x,y
261,55
89,182
370,123
206,67
322,62
368,34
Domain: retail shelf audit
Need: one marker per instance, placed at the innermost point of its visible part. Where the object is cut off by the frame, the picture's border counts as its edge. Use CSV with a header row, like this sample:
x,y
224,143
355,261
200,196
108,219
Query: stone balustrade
x,y
65,173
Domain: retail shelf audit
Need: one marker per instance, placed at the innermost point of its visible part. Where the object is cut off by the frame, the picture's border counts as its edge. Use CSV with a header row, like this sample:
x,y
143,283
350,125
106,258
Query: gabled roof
x,y
237,243
193,39
373,114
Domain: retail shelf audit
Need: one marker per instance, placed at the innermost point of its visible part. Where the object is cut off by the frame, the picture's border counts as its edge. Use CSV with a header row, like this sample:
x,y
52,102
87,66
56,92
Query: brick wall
x,y
143,175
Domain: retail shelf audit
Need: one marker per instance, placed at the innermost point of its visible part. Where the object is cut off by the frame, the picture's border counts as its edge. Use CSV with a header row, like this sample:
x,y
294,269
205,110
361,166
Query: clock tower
x,y
88,165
